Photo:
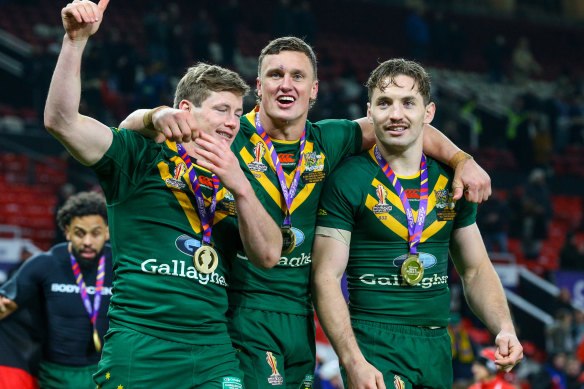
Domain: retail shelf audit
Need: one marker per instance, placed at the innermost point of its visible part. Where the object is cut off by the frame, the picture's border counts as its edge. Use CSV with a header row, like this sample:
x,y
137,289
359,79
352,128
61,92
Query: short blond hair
x,y
202,79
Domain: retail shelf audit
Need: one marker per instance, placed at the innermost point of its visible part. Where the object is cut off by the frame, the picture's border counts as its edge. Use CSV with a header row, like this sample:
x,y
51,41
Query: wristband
x,y
147,119
458,158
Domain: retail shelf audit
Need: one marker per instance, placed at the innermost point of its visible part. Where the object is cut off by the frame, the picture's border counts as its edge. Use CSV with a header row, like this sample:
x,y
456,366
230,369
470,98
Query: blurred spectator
x,y
485,373
556,368
523,63
462,348
572,253
537,214
578,326
493,221
559,334
543,147
153,90
574,377
472,120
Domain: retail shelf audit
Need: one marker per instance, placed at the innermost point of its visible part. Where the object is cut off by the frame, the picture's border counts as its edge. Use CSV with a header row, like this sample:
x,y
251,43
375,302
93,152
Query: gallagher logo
x,y
187,245
428,260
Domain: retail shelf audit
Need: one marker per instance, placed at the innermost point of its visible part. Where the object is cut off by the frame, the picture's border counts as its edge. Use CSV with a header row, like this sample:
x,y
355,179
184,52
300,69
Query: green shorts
x,y
408,356
54,376
131,359
276,350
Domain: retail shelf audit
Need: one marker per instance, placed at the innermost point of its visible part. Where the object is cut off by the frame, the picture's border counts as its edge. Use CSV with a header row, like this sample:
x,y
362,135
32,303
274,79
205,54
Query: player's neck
x,y
190,148
281,129
404,162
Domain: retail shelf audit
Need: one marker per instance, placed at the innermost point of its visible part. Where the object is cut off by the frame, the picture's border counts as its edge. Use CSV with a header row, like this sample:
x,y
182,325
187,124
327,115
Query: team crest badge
x,y
381,206
314,162
398,383
257,165
444,199
313,168
444,205
175,182
275,378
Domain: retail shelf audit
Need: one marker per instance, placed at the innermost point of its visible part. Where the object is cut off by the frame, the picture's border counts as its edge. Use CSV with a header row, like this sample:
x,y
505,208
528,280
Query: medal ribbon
x,y
91,311
289,193
415,227
206,215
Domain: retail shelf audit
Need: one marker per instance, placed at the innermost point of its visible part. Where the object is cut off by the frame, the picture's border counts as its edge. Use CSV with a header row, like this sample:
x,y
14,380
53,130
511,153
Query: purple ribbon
x,y
91,311
415,227
289,193
206,215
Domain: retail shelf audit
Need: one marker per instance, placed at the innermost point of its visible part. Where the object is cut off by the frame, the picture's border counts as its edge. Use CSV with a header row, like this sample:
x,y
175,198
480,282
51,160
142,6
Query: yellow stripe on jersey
x,y
395,201
388,220
273,191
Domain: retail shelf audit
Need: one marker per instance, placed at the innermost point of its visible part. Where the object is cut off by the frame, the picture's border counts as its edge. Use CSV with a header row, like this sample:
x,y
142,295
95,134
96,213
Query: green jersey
x,y
358,197
155,230
286,287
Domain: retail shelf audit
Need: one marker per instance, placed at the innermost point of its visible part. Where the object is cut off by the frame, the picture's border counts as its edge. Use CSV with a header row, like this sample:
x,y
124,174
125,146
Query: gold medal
x,y
96,341
206,259
288,240
412,269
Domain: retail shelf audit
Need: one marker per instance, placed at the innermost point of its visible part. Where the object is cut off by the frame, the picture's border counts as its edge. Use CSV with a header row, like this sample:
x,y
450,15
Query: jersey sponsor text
x,y
180,269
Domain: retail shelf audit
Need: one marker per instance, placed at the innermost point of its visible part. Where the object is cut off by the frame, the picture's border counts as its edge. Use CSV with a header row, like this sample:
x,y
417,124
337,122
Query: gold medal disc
x,y
205,259
96,341
412,270
288,240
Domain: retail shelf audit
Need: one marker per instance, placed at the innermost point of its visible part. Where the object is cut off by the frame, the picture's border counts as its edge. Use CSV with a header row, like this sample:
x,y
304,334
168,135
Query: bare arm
x,y
329,260
485,294
163,123
469,178
261,236
85,138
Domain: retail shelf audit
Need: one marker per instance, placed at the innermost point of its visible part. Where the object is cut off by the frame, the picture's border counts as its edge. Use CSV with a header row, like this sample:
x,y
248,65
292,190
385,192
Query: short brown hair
x,y
287,43
395,67
202,79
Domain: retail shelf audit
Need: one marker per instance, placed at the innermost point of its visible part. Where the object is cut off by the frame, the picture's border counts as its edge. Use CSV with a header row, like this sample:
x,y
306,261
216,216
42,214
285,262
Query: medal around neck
x,y
96,341
288,240
412,269
206,259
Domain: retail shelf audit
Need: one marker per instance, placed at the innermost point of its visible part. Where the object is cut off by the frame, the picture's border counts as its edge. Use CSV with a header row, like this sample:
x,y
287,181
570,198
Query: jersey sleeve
x,y
340,139
340,202
26,283
466,213
122,166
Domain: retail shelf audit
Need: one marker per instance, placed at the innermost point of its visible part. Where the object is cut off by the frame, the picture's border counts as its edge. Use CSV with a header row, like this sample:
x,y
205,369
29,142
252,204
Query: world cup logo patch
x,y
175,182
257,165
381,206
275,378
398,383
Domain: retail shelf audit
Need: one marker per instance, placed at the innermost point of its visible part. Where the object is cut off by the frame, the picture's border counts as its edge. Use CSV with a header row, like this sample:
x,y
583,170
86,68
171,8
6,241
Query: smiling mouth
x,y
286,100
397,129
224,134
